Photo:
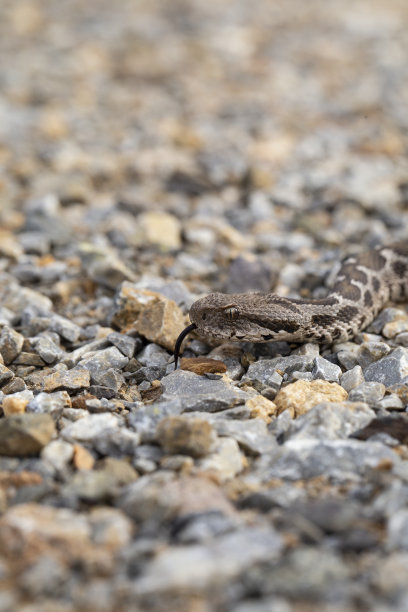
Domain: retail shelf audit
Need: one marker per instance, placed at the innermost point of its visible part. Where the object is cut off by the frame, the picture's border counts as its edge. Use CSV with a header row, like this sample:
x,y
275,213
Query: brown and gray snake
x,y
361,288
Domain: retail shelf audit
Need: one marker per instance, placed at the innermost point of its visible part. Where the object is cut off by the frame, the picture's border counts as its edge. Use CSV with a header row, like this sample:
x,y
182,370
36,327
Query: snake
x,y
362,286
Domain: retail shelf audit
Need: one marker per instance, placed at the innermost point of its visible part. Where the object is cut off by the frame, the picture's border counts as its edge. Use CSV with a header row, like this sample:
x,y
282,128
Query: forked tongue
x,y
179,340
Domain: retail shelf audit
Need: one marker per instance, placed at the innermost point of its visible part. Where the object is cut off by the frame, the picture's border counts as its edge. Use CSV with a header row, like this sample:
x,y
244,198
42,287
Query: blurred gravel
x,y
152,152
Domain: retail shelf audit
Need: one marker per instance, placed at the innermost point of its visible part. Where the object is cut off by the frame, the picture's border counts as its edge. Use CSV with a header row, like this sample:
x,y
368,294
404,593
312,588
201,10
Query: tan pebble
x,y
14,405
161,229
152,315
202,365
391,329
82,458
179,434
262,408
300,396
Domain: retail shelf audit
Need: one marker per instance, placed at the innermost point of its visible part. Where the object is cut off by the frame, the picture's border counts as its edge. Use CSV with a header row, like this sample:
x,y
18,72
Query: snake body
x,y
360,289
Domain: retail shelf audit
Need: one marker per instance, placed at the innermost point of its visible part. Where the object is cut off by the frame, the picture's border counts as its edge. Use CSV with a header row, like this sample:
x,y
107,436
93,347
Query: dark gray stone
x,y
11,344
48,350
126,344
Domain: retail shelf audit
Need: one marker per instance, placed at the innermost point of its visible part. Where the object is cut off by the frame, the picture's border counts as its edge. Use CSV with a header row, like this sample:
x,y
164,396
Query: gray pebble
x,y
126,344
49,403
368,352
324,369
153,355
386,316
201,393
102,364
65,328
390,402
352,378
369,392
389,370
5,374
48,350
11,344
260,373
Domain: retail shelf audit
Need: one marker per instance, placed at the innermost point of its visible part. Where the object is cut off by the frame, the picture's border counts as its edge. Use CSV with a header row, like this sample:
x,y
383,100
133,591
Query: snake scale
x,y
362,286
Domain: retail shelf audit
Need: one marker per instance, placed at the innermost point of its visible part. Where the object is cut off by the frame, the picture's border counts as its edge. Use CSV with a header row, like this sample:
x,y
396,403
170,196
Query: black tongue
x,y
179,340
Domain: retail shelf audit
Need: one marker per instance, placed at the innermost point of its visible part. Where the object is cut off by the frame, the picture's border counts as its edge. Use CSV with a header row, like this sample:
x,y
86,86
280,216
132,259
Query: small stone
x,y
369,392
301,396
91,486
150,314
252,435
202,365
103,266
394,425
15,385
11,344
325,370
29,359
17,299
48,350
226,460
330,421
391,329
177,434
261,407
390,402
25,434
201,393
369,352
269,372
161,229
347,354
387,315
153,356
65,328
90,427
58,453
50,403
398,530
126,344
72,380
82,458
389,370
14,405
352,378
5,374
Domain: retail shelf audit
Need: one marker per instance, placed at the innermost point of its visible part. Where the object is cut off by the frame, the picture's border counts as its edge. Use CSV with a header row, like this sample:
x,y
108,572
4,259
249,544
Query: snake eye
x,y
232,312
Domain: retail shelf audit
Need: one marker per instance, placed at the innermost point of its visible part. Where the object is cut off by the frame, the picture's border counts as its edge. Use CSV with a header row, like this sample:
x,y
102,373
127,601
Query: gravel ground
x,y
152,152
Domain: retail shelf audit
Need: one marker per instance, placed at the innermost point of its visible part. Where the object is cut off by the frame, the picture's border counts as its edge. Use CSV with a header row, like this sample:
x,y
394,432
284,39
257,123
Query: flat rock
x,y
252,435
302,395
201,393
261,373
150,314
25,434
352,378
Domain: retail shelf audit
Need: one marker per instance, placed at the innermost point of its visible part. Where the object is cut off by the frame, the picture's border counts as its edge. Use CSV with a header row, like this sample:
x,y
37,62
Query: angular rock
x,y
252,435
201,393
49,403
25,434
11,344
369,352
226,460
369,392
5,374
148,313
352,378
48,350
72,380
198,567
126,344
261,373
330,421
58,453
90,427
342,460
325,370
177,434
389,370
65,328
301,396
